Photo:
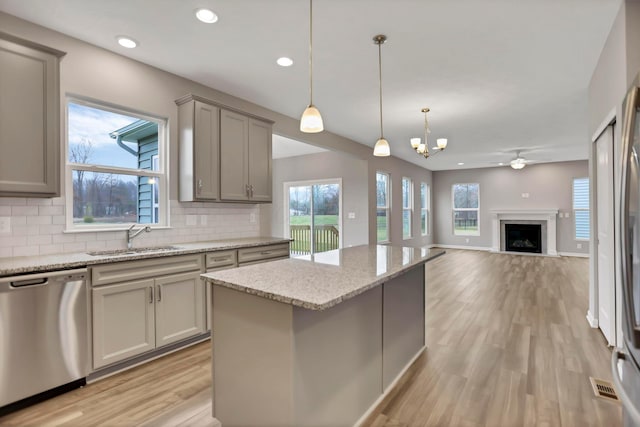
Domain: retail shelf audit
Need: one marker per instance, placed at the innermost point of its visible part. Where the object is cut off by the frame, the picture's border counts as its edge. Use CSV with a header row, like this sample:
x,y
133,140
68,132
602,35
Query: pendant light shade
x,y
381,148
442,143
311,120
415,143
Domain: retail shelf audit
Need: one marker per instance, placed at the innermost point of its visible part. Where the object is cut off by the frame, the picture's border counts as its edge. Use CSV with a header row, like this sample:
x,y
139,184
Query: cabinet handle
x,y
247,190
265,253
199,186
251,186
150,294
220,259
159,292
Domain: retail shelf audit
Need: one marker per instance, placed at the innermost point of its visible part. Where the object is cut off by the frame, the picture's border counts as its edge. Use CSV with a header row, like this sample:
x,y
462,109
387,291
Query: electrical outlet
x,y
252,218
351,215
579,245
525,195
466,240
5,224
192,220
567,214
203,220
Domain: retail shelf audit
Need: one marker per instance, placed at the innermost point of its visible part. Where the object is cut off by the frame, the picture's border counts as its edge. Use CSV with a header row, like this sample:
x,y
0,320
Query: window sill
x,y
100,229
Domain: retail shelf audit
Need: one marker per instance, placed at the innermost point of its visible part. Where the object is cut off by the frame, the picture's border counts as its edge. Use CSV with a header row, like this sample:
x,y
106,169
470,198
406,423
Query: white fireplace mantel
x,y
548,215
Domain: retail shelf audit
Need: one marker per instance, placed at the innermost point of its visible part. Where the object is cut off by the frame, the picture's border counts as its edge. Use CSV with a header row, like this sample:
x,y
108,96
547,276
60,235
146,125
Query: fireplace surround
x,y
546,218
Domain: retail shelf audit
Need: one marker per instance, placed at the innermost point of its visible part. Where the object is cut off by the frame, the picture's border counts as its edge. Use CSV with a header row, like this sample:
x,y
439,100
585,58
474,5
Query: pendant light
x,y
422,147
381,148
311,120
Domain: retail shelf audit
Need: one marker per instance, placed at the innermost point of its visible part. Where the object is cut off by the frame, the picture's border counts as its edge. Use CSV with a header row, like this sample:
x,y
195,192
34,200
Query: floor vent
x,y
604,389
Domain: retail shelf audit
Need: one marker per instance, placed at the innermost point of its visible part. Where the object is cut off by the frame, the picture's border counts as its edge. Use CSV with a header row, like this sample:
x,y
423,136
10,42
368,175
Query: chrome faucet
x,y
133,234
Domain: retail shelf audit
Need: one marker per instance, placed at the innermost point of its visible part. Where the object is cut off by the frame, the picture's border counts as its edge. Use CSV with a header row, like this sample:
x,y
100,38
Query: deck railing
x,y
326,238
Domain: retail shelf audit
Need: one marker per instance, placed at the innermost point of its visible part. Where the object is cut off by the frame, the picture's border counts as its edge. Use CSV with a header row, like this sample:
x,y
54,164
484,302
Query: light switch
x,y
525,195
5,224
351,215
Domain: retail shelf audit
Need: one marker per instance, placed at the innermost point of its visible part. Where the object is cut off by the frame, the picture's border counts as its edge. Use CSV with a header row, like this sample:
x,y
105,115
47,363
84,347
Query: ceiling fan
x,y
519,162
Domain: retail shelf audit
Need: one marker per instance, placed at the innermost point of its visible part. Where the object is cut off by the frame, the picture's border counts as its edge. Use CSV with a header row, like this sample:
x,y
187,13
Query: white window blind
x,y
581,207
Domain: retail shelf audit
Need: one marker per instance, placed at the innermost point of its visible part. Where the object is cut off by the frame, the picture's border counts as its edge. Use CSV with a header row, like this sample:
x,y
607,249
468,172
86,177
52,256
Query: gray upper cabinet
x,y
199,126
245,154
225,154
29,118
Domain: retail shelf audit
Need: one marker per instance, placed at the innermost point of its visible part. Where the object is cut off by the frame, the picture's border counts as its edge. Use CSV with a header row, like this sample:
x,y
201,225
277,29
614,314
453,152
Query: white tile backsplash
x,y
37,227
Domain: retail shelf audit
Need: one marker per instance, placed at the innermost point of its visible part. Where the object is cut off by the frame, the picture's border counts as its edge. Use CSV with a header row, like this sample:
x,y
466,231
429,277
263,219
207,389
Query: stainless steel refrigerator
x,y
625,362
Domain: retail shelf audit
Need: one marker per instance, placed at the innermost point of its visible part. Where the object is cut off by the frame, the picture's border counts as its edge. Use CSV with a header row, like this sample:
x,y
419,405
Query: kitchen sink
x,y
133,251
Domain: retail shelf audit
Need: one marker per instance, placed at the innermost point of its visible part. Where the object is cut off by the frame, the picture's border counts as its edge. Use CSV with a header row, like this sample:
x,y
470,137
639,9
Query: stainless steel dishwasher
x,y
44,335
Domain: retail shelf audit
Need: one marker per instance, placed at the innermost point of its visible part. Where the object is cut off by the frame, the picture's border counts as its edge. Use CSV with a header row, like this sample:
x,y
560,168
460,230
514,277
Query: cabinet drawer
x,y
263,253
132,270
221,259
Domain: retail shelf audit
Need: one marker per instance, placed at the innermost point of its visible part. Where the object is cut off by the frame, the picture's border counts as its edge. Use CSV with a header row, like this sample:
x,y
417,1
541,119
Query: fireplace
x,y
523,238
546,218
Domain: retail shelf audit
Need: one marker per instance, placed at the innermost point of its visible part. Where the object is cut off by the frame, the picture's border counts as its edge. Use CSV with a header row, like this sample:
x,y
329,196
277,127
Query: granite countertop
x,y
320,281
43,263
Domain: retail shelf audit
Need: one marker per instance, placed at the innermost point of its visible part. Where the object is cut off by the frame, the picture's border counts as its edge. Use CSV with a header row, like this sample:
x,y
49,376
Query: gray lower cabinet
x,y
29,118
134,316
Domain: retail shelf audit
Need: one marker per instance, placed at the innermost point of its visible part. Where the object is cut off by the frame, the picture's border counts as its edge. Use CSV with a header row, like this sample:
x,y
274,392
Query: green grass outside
x,y
319,220
383,234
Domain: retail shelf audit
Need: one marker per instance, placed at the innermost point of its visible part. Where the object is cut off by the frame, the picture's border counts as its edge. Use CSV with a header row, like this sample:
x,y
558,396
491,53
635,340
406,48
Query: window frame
x,y
408,209
161,175
386,207
425,193
454,209
587,209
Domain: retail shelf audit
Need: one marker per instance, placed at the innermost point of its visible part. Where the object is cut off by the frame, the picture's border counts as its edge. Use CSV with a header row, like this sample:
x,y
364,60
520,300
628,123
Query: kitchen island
x,y
315,340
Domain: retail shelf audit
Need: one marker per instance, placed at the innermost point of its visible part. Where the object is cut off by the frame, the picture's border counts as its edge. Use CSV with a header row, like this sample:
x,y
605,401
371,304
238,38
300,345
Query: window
x,y
581,207
115,168
424,208
466,209
382,206
407,207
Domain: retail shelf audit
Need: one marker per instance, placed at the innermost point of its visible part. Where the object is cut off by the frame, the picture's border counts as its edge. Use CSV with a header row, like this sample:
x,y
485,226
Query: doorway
x,y
313,216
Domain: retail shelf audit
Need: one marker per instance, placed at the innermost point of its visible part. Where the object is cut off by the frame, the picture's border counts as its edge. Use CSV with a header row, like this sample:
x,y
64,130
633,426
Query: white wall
x,y
549,186
353,173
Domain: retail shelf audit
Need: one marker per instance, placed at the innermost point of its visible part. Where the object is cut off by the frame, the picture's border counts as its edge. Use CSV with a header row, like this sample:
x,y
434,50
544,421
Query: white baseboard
x,y
593,322
471,248
576,254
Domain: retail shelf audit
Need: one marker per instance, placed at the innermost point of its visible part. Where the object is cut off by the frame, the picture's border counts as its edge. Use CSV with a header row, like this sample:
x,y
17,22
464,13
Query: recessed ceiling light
x,y
501,164
207,16
127,42
285,62
460,164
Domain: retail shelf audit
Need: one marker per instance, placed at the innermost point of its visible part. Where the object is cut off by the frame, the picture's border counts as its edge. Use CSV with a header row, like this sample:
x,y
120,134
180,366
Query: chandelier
x,y
422,147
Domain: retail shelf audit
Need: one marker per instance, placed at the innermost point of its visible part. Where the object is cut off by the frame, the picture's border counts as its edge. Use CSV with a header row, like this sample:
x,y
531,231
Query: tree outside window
x,y
466,209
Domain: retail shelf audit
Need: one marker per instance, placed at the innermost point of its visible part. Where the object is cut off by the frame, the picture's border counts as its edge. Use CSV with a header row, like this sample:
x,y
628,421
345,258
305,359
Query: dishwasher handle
x,y
16,283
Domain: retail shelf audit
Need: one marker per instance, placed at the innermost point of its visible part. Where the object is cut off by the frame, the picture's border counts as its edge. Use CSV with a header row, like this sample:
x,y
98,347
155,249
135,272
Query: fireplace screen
x,y
523,238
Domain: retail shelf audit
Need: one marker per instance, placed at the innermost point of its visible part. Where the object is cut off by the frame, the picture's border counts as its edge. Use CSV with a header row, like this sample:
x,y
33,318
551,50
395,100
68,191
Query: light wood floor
x,y
508,345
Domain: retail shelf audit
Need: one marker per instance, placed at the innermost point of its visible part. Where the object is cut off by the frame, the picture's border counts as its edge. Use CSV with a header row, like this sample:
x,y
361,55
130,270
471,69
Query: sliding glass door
x,y
313,218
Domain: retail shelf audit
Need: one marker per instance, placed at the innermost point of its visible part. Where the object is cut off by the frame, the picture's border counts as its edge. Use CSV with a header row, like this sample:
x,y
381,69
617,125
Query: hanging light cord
x,y
380,74
310,52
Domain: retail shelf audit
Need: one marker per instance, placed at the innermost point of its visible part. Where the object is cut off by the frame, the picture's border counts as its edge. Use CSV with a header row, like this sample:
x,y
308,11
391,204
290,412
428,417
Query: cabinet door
x,y
260,160
123,321
207,142
180,301
234,144
29,119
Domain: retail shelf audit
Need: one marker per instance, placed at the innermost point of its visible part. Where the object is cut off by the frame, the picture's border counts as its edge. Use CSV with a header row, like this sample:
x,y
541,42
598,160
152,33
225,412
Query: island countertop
x,y
322,280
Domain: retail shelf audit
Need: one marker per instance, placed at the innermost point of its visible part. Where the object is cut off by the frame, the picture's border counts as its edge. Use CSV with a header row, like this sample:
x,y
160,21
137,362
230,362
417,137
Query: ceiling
x,y
285,147
498,75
